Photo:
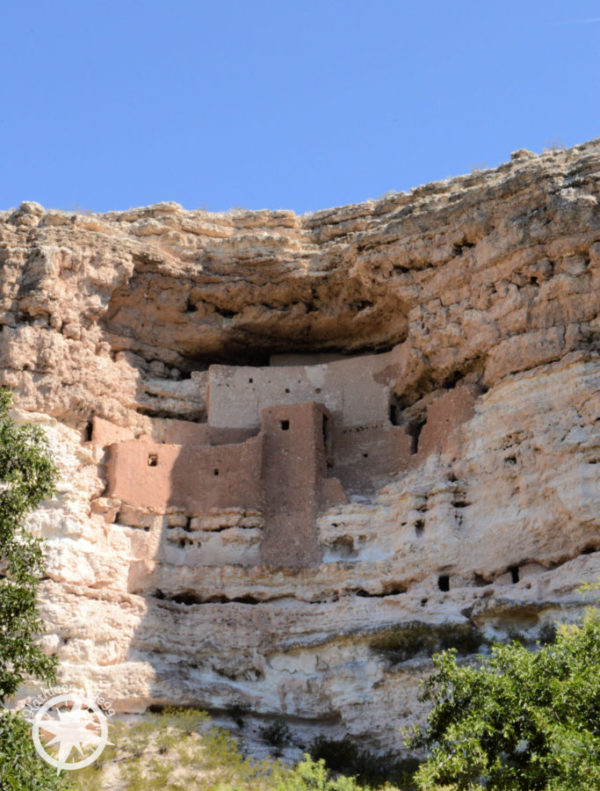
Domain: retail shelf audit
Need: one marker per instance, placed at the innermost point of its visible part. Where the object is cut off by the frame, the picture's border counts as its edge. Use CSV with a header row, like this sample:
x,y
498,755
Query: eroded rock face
x,y
474,513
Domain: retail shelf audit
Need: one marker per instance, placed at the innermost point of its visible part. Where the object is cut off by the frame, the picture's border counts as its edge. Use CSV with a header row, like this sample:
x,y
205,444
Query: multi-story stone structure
x,y
284,440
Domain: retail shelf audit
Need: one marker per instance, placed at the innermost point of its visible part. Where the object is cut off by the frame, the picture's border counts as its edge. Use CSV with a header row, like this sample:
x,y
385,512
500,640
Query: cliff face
x,y
452,339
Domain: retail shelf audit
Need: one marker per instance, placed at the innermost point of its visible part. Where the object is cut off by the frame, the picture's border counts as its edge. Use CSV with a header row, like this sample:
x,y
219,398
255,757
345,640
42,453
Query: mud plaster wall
x,y
365,456
348,388
444,416
281,471
194,478
294,464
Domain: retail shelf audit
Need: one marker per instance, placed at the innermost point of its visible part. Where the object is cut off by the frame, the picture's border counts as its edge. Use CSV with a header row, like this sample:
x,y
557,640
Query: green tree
x,y
21,769
520,720
27,476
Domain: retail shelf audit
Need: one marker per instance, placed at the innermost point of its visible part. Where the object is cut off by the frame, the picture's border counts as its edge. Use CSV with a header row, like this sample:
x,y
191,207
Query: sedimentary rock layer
x,y
487,282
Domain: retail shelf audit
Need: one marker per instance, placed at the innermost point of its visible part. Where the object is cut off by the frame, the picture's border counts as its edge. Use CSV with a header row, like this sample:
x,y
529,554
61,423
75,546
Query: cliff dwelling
x,y
299,452
285,440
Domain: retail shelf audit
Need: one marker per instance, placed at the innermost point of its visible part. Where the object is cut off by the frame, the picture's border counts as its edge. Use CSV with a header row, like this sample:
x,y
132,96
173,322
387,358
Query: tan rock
x,y
453,335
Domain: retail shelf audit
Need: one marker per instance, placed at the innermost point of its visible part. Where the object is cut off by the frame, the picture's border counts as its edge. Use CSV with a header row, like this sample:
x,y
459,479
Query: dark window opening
x,y
285,424
394,415
444,583
226,314
287,389
365,455
215,472
317,389
419,527
152,460
514,574
88,431
414,431
250,381
459,247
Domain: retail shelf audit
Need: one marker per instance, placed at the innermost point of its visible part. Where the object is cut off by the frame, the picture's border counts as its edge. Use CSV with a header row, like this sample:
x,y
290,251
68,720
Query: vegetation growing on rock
x,y
178,750
521,720
415,639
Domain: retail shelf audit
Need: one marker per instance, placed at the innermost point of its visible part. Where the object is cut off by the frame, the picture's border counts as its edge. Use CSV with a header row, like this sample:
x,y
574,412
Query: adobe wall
x,y
444,416
195,478
183,432
294,466
355,390
105,433
171,432
365,457
305,359
281,471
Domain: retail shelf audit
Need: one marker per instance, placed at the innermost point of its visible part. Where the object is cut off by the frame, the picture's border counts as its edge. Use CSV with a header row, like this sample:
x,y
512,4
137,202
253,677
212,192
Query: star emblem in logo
x,y
80,726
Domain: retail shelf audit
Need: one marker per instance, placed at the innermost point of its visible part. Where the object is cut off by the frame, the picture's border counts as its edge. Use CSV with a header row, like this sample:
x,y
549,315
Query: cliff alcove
x,y
299,453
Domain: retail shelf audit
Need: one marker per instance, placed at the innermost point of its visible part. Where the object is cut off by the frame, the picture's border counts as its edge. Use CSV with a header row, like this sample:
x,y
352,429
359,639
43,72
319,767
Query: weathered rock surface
x,y
487,282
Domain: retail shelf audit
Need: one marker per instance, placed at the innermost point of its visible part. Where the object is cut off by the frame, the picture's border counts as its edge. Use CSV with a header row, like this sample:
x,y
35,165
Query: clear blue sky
x,y
302,104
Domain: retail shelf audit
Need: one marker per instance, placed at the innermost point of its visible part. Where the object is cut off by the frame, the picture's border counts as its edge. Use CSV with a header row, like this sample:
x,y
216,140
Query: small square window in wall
x,y
215,471
285,425
152,460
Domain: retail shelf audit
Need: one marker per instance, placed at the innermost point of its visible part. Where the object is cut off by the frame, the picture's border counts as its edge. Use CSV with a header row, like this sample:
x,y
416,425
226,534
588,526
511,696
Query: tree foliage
x,y
27,476
21,769
520,720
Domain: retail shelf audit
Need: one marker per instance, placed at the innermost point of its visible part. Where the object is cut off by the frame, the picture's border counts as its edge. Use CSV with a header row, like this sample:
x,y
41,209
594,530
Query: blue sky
x,y
303,104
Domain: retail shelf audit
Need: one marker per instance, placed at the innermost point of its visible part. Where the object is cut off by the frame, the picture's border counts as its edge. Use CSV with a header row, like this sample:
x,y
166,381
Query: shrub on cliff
x,y
521,720
375,769
27,476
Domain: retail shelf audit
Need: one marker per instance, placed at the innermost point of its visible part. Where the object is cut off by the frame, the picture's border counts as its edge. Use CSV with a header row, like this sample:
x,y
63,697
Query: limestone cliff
x,y
451,336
